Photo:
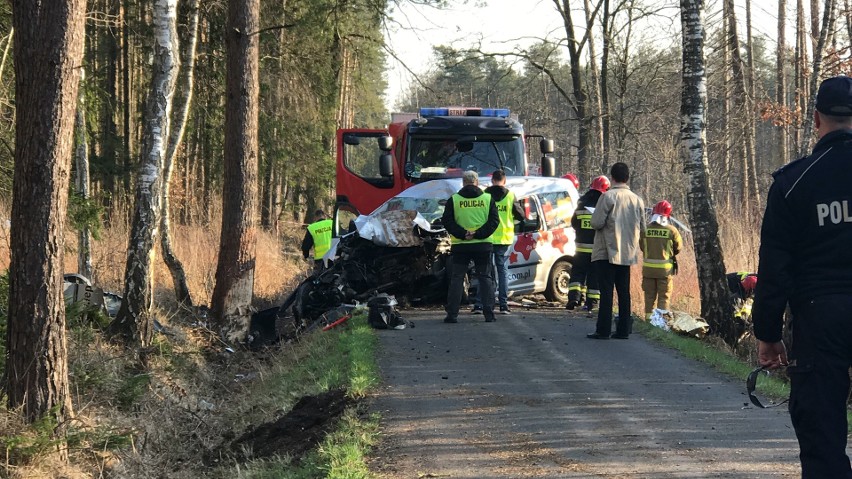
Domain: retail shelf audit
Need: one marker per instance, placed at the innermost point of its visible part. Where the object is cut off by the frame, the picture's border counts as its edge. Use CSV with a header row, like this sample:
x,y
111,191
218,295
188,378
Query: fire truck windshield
x,y
433,157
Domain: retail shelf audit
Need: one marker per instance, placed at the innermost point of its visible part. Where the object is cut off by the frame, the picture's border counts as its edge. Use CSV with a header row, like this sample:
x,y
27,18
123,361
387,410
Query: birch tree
x,y
234,287
716,306
819,48
134,322
81,182
174,264
48,53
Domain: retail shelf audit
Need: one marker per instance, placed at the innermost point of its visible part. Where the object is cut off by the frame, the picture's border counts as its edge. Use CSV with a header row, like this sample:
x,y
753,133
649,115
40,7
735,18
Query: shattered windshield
x,y
430,158
430,208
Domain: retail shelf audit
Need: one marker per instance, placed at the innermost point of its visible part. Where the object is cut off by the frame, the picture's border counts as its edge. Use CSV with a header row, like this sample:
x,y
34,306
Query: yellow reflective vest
x,y
321,232
659,246
505,232
471,214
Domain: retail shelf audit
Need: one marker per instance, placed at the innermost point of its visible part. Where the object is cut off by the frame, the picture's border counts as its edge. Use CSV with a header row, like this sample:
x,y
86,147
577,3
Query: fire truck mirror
x,y
385,143
386,165
548,166
546,147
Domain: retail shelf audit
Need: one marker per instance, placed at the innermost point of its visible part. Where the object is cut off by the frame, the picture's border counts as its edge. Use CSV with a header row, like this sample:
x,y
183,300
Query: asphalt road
x,y
531,396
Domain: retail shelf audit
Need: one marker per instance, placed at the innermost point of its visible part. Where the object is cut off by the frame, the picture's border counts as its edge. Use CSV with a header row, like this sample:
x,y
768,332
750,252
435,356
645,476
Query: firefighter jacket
x,y
735,284
582,221
317,237
471,209
508,211
659,246
619,218
806,236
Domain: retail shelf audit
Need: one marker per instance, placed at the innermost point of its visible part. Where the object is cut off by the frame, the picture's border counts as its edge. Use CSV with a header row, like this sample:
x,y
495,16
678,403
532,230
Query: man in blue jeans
x,y
509,210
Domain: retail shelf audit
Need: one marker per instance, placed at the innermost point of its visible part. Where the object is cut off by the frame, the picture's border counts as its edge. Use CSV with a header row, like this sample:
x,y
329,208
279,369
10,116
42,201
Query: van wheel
x,y
557,283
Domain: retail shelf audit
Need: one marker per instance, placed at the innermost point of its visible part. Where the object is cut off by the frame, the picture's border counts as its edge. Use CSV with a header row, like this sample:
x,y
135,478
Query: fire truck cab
x,y
374,165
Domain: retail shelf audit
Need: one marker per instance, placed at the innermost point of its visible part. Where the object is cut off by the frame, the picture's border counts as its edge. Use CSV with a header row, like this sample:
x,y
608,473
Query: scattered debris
x,y
680,323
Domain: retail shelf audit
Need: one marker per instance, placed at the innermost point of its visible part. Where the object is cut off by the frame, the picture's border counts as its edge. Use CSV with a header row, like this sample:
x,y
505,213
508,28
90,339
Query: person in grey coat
x,y
618,220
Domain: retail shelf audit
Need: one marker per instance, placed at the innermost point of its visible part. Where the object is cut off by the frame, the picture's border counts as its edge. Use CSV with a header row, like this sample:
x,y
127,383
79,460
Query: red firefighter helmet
x,y
601,183
749,283
663,208
573,178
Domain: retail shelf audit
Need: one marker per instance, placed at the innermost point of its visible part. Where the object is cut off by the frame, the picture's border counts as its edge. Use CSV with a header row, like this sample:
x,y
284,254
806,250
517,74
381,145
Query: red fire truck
x,y
375,165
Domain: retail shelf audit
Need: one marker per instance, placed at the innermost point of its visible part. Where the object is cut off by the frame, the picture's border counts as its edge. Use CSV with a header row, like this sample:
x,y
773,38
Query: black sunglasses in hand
x,y
751,384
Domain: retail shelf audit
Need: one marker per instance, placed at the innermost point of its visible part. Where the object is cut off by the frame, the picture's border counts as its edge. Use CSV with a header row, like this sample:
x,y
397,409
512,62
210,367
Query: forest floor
x,y
531,396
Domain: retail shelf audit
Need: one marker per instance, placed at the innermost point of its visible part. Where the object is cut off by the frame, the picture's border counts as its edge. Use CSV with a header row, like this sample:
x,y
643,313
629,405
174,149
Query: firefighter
x,y
318,237
584,283
806,263
742,284
470,217
573,179
660,243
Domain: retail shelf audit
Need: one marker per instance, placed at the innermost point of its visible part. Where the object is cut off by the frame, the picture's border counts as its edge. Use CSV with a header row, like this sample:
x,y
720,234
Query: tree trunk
x,y
828,15
780,85
81,157
604,89
716,306
816,70
801,56
234,287
182,108
725,122
133,322
750,118
594,86
49,38
579,94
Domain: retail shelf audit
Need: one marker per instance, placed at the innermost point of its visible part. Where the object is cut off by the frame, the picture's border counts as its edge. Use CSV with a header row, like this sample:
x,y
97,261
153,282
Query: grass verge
x,y
346,359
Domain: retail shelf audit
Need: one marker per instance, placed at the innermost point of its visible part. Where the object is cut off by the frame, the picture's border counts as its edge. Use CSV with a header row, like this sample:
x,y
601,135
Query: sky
x,y
500,25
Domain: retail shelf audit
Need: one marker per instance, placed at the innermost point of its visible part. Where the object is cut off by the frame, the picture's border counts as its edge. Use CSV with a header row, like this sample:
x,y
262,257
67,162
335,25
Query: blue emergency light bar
x,y
464,111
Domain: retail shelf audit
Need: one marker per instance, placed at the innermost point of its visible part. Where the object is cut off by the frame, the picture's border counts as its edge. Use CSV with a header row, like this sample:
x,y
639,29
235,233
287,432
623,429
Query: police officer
x,y
660,243
584,282
470,216
317,237
806,261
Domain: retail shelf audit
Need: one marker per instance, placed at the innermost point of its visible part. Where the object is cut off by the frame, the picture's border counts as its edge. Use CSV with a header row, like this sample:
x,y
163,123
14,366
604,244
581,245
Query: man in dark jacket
x,y
584,281
470,216
806,262
508,210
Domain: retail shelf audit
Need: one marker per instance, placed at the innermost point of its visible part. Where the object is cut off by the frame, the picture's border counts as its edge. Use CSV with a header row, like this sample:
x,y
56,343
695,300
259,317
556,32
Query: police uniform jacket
x,y
449,221
498,193
582,221
806,237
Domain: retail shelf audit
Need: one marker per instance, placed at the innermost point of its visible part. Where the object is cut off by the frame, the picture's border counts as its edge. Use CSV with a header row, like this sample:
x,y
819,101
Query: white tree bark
x,y
828,16
174,264
716,307
81,158
134,322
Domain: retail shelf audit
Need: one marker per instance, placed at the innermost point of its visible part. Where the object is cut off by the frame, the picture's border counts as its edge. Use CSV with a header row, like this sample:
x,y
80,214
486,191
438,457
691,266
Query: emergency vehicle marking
x,y
560,239
525,244
836,211
656,233
472,203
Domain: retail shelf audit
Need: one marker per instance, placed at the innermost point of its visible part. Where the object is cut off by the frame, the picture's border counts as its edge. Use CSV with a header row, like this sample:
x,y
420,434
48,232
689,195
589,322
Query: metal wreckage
x,y
394,254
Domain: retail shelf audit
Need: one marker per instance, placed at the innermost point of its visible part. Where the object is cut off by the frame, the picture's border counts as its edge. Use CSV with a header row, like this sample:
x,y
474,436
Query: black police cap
x,y
835,96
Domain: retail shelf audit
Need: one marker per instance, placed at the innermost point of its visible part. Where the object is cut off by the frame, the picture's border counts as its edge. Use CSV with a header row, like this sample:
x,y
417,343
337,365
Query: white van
x,y
539,260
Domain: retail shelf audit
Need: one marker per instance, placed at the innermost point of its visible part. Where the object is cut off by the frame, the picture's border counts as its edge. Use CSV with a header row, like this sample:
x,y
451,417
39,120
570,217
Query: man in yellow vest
x,y
470,217
508,210
317,237
660,243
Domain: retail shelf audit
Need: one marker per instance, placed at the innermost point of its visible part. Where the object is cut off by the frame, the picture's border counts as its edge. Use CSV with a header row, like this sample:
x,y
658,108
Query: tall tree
x,y
134,322
183,103
234,287
780,85
81,182
715,302
48,53
821,42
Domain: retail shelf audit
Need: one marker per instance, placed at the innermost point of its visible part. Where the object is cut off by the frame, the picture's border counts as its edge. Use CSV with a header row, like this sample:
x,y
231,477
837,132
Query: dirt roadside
x,y
531,396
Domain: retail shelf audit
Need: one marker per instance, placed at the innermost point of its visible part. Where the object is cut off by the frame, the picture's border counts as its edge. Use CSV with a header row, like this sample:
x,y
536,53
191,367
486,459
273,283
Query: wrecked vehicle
x,y
402,248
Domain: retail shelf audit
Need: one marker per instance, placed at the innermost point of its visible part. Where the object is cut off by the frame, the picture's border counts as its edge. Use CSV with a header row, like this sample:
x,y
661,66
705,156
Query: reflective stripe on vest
x,y
471,214
585,220
584,247
505,232
321,232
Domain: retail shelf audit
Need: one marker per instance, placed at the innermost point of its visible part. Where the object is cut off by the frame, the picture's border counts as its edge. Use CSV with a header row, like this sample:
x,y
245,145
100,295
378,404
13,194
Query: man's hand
x,y
468,235
771,355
